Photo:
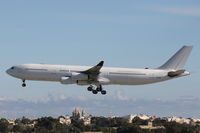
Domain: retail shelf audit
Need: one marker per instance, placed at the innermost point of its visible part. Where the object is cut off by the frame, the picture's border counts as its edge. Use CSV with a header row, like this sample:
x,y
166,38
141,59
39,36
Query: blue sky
x,y
130,33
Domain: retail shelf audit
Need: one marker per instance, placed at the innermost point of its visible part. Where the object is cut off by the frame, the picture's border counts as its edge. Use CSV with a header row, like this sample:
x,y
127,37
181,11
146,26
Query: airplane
x,y
98,75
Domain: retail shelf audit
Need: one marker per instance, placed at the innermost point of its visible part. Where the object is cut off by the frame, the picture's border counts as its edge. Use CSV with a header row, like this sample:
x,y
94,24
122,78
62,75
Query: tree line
x,y
103,124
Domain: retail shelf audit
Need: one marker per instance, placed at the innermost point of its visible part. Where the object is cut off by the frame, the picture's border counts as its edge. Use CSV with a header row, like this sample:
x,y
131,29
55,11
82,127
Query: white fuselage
x,y
108,75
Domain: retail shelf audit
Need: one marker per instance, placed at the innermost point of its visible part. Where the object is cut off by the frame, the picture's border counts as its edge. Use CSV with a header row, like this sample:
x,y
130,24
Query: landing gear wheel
x,y
90,88
23,85
103,92
94,91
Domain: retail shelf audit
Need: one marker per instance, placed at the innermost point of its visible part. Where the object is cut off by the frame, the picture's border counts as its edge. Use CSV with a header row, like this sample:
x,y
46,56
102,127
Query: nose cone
x,y
8,72
13,71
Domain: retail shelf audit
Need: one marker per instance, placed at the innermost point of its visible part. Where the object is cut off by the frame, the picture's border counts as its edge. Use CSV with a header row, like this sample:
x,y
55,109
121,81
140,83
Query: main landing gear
x,y
23,84
95,91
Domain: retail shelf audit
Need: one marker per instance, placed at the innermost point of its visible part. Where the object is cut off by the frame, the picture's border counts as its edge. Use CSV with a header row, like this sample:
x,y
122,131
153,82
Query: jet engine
x,y
79,76
72,78
67,80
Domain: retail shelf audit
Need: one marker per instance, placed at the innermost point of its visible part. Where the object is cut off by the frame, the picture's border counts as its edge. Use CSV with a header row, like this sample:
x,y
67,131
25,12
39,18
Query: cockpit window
x,y
12,67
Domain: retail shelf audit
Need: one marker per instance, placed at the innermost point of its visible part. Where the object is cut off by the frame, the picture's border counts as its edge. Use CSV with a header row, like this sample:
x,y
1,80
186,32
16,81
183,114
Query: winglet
x,y
100,63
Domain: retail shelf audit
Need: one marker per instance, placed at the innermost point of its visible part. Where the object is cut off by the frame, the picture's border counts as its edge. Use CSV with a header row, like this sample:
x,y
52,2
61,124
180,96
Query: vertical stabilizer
x,y
178,61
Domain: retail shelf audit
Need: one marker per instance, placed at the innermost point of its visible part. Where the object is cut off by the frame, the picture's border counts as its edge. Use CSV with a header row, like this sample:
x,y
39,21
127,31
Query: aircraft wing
x,y
95,70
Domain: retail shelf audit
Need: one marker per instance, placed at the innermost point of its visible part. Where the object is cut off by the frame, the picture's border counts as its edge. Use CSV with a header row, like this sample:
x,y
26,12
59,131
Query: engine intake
x,y
72,78
67,80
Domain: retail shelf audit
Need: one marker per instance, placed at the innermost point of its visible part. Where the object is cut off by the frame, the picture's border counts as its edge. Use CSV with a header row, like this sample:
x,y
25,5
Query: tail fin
x,y
178,61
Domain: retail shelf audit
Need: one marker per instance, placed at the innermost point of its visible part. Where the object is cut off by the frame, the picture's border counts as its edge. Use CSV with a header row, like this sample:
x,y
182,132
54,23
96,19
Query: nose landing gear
x,y
23,84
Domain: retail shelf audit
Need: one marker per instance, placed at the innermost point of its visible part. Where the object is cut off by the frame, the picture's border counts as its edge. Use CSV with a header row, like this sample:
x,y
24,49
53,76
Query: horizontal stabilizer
x,y
175,73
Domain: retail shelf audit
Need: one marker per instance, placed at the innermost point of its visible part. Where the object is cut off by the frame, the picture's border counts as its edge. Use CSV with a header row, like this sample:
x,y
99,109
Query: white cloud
x,y
119,106
5,99
121,96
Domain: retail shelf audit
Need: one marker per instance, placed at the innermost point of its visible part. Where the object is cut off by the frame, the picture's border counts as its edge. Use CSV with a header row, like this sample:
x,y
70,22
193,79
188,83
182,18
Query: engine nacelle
x,y
79,76
67,80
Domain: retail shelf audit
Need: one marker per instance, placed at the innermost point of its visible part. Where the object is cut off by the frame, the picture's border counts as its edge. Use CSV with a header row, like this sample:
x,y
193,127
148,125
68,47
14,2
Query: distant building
x,y
179,120
195,120
151,127
144,117
81,115
77,113
132,116
65,120
87,120
11,121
